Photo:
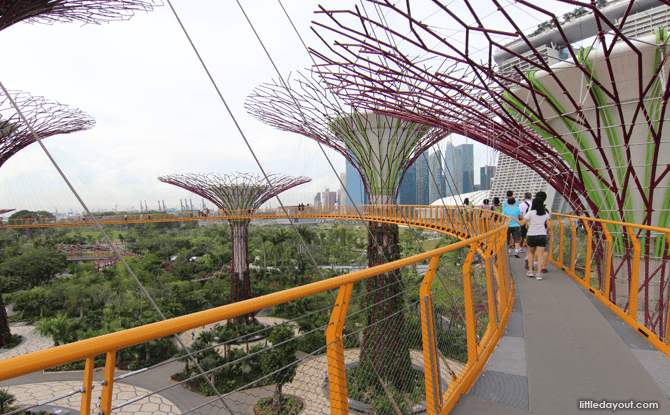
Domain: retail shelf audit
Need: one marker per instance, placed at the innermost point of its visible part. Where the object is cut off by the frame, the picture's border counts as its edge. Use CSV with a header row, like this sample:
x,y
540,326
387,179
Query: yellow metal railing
x,y
481,231
440,216
624,265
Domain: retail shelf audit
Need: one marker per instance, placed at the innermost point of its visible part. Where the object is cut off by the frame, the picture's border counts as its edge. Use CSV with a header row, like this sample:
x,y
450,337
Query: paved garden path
x,y
32,342
34,393
308,384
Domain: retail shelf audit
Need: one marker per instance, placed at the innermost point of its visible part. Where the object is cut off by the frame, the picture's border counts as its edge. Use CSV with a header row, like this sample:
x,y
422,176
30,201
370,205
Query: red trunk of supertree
x,y
243,193
81,11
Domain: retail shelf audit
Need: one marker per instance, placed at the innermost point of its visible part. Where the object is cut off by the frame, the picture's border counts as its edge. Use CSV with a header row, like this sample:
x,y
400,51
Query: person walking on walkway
x,y
510,193
514,229
496,205
543,196
523,207
537,236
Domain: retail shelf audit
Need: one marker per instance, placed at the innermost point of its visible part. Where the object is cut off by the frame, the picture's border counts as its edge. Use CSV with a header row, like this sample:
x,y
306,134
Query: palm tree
x,y
6,399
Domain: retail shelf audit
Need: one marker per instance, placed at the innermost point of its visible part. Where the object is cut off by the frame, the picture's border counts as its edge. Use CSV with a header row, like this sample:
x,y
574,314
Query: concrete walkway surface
x,y
562,347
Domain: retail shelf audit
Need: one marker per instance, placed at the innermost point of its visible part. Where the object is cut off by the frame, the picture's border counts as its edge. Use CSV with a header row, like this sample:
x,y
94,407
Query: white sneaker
x,y
538,277
520,249
516,253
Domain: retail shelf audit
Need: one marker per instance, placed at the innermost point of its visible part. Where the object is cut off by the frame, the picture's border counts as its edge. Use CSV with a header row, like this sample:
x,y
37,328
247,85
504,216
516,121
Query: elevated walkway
x,y
562,346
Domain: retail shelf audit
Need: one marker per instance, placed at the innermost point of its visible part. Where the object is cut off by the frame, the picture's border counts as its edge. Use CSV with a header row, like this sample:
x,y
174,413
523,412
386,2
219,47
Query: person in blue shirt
x,y
514,229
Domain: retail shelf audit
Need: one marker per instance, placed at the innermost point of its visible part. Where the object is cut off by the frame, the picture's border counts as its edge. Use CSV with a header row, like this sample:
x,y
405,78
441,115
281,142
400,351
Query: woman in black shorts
x,y
536,217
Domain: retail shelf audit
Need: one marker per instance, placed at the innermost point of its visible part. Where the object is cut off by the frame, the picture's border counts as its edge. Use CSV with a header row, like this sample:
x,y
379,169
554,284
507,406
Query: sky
x,y
156,111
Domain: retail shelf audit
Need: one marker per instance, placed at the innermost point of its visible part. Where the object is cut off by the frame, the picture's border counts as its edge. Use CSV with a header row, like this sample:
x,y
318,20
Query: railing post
x,y
87,389
489,292
635,275
561,235
667,320
108,384
337,375
608,260
468,299
589,253
430,360
573,246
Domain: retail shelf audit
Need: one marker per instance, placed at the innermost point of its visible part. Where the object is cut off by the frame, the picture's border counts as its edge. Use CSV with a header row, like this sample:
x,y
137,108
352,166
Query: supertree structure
x,y
82,11
381,148
47,119
244,193
3,211
588,86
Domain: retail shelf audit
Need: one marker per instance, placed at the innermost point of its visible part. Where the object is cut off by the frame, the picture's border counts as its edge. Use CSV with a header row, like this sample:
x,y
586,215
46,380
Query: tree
x,y
278,361
35,267
61,329
29,214
6,399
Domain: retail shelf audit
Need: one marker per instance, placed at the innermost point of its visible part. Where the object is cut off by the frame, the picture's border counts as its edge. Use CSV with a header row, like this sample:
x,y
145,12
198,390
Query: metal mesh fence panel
x,y
384,358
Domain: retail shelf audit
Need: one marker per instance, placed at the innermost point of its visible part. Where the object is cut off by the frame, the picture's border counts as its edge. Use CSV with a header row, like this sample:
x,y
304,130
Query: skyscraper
x,y
436,182
422,180
467,167
450,171
355,186
407,194
459,169
486,174
341,194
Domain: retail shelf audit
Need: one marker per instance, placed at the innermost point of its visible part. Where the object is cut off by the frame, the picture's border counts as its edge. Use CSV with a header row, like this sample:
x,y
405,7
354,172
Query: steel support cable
x,y
391,40
97,225
314,353
373,237
214,346
239,129
308,125
211,371
412,230
48,401
321,147
342,184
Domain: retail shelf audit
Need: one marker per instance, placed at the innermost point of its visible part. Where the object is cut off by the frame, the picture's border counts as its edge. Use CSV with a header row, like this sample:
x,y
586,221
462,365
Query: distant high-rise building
x,y
486,174
436,179
407,194
317,199
467,167
450,172
422,180
459,169
341,193
328,198
355,186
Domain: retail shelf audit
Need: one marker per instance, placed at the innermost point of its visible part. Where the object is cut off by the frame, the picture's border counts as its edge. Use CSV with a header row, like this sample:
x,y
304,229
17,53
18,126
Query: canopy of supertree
x,y
81,11
45,118
580,96
381,147
241,192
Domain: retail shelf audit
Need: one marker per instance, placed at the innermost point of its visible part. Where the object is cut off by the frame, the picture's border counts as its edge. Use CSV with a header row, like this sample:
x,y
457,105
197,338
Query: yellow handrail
x,y
490,245
603,292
